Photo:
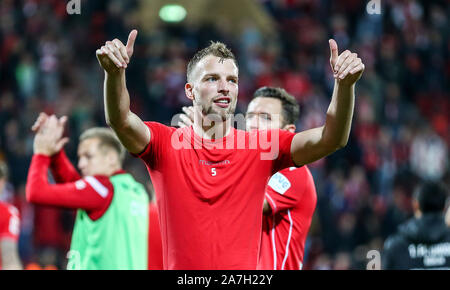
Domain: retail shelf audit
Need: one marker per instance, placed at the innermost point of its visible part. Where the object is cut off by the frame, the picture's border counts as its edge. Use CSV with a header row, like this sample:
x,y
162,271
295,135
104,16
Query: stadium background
x,y
400,131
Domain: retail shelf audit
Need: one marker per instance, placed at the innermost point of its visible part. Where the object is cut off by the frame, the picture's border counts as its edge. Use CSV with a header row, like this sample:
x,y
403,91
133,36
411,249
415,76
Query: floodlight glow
x,y
172,13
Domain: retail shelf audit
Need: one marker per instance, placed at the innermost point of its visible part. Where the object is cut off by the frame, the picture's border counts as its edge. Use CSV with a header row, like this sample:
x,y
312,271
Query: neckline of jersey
x,y
230,134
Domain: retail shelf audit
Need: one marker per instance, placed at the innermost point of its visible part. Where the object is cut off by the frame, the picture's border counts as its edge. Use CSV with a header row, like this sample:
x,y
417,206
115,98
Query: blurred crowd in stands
x,y
400,132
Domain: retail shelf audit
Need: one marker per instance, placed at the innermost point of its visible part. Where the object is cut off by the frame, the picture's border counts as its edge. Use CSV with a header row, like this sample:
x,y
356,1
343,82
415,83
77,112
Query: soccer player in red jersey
x,y
290,196
9,229
210,178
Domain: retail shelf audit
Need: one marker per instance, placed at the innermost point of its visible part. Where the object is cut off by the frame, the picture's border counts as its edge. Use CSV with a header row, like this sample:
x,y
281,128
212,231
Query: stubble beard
x,y
218,115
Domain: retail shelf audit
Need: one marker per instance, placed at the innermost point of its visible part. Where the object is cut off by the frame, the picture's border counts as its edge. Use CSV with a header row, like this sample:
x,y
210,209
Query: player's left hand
x,y
39,122
186,119
347,67
48,140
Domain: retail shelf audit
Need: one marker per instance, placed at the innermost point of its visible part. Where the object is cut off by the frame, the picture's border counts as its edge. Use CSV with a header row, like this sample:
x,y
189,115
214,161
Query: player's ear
x,y
2,184
289,127
113,158
189,91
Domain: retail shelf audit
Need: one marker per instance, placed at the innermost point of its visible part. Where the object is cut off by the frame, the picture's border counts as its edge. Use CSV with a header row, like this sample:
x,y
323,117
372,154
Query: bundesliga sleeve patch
x,y
279,183
97,186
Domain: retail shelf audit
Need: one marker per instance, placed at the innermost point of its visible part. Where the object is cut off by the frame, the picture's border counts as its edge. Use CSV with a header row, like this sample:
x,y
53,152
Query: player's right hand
x,y
114,56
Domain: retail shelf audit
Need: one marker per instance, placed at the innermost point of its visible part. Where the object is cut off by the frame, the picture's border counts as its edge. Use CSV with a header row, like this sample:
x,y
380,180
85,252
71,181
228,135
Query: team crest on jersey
x,y
279,183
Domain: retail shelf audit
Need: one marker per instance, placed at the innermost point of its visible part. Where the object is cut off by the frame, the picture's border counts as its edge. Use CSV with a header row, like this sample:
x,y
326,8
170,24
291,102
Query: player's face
x,y
214,86
93,160
264,113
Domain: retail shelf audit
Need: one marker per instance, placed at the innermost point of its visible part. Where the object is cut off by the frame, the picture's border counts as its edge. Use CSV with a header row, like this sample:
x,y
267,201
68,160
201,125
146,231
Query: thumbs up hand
x,y
114,56
347,67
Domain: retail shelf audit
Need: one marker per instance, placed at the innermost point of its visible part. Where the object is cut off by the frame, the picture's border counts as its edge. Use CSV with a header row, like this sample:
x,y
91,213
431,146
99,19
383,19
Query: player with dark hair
x,y
111,226
9,228
423,242
290,195
290,109
210,188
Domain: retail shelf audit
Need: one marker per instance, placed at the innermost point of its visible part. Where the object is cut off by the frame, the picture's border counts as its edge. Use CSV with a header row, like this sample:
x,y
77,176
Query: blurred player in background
x,y
290,194
9,229
290,197
210,199
423,242
111,227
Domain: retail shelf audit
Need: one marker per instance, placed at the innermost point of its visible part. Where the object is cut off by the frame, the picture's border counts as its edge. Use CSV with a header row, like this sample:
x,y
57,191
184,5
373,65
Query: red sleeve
x,y
62,169
92,193
154,151
9,222
281,149
155,257
286,188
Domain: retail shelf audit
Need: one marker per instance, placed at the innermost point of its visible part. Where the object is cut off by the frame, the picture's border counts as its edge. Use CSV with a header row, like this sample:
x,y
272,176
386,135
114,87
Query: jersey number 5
x,y
213,172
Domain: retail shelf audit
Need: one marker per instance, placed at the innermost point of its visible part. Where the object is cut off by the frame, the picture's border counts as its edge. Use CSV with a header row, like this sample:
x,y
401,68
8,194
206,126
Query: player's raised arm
x,y
114,58
313,144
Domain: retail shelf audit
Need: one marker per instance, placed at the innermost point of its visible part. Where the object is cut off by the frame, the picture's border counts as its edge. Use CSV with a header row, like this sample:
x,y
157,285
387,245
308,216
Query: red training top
x,y
91,193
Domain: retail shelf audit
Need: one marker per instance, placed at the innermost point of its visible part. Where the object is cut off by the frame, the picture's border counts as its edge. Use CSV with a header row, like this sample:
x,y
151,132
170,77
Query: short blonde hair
x,y
107,138
218,49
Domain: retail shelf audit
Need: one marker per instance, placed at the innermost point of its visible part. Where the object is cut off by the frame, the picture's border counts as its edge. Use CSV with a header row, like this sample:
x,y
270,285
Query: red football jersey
x,y
155,260
9,223
93,194
292,197
210,193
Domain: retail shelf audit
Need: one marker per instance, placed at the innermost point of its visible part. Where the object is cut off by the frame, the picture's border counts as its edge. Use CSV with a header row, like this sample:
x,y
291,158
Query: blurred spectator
x,y
9,229
423,242
429,157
